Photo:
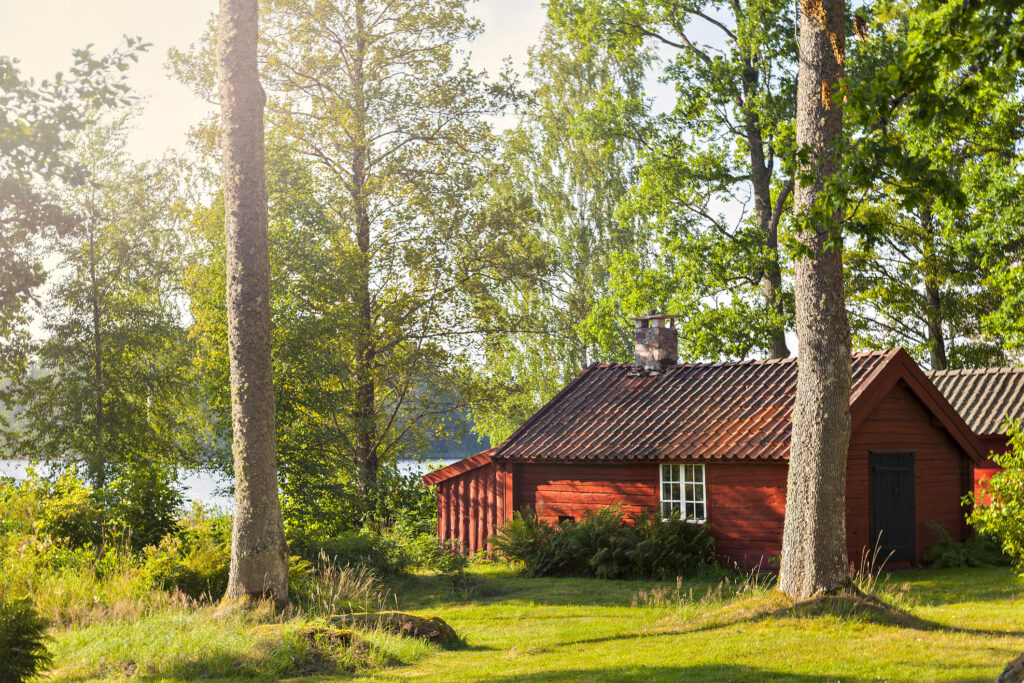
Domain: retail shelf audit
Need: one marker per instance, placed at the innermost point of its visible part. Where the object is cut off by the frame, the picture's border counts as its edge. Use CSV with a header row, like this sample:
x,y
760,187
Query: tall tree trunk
x,y
97,466
259,556
933,295
365,412
765,212
814,556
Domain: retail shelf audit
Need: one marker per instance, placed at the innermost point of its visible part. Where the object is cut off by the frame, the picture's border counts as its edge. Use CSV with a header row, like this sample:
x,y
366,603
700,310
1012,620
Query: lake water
x,y
204,487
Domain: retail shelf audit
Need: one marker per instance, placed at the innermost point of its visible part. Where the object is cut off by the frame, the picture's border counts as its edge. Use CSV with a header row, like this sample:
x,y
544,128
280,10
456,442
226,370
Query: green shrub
x,y
604,545
143,503
139,507
62,508
522,538
361,548
322,507
977,551
23,652
1002,518
196,560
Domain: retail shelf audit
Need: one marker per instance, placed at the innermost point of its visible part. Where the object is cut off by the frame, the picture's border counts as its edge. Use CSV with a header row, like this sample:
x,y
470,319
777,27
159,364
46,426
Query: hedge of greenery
x,y
604,545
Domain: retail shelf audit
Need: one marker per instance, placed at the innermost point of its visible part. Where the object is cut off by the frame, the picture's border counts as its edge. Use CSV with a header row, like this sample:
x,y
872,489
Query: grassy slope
x,y
968,625
551,629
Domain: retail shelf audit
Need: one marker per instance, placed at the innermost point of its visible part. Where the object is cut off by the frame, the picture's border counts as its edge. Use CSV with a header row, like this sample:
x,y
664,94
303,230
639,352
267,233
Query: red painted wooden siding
x,y
468,506
747,500
993,443
746,510
942,471
556,490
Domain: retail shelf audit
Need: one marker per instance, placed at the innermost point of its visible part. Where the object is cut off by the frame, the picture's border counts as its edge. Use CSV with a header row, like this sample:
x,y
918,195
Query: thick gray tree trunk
x,y
814,540
259,555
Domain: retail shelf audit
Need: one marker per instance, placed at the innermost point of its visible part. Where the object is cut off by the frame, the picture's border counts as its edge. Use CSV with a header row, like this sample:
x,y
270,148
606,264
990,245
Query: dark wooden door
x,y
892,505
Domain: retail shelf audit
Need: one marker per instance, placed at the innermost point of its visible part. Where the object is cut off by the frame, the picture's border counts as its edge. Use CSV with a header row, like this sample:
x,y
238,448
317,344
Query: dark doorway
x,y
892,505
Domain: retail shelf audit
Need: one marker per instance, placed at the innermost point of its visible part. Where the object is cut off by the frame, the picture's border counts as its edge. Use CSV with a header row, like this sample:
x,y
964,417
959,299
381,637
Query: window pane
x,y
698,493
689,492
690,510
699,512
675,492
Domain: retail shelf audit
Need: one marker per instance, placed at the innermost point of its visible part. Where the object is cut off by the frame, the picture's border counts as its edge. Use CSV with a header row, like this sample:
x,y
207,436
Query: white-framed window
x,y
683,490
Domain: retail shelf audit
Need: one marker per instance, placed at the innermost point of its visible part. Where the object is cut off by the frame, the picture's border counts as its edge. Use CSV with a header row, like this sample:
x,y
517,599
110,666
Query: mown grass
x,y
935,625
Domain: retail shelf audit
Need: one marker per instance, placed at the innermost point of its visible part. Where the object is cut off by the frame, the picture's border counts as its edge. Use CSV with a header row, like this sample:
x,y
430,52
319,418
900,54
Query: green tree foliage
x,y
112,384
37,121
381,235
568,168
715,172
921,260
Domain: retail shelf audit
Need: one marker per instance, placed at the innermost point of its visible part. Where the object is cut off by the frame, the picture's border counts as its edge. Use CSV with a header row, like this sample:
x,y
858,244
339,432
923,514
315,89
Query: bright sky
x,y
42,34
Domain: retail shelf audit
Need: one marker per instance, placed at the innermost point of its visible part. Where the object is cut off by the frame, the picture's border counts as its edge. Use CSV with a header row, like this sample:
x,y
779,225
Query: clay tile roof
x,y
711,411
983,397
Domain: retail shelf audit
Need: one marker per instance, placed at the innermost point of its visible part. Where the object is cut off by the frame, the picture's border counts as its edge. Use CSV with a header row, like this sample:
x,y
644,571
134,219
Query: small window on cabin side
x,y
683,492
566,518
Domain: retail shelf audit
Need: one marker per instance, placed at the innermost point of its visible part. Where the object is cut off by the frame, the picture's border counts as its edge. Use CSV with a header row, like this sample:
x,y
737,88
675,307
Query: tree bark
x,y
814,558
259,555
765,213
365,412
98,465
933,295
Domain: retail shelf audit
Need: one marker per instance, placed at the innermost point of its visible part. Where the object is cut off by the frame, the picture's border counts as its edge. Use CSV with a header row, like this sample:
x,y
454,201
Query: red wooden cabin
x,y
986,398
712,441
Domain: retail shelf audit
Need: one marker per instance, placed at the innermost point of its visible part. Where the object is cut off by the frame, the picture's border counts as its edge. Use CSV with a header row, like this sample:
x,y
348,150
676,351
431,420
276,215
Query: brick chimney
x,y
657,342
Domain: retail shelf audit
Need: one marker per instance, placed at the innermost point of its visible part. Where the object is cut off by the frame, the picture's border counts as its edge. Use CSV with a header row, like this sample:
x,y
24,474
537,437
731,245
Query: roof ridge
x,y
998,370
746,361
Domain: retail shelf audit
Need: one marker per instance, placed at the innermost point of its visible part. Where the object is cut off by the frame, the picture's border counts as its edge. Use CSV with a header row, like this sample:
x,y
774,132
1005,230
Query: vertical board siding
x,y
470,503
941,471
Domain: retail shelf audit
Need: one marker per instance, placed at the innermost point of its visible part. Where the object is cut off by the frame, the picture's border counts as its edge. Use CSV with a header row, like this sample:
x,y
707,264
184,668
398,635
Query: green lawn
x,y
952,625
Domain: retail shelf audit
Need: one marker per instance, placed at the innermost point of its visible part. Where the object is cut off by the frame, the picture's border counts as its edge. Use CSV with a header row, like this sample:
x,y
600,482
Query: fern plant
x,y
23,639
523,538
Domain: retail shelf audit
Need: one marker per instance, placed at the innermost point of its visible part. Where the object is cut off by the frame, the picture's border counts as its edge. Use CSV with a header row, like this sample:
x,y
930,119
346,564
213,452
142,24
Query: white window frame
x,y
685,475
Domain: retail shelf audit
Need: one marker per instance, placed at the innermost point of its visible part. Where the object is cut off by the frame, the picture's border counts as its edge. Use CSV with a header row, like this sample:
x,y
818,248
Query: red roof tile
x,y
709,411
611,413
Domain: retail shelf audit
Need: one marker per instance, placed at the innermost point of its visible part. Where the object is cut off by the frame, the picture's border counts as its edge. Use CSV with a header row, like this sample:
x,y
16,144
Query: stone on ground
x,y
431,629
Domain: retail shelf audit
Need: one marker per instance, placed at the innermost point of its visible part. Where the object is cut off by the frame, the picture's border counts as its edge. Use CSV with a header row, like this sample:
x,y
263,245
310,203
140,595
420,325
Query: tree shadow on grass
x,y
860,607
700,672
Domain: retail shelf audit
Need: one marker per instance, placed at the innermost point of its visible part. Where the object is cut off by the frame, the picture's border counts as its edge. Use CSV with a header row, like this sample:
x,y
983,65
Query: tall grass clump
x,y
326,587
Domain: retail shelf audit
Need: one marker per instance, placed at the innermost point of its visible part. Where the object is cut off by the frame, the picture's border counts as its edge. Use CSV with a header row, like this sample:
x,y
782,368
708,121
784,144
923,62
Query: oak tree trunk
x,y
814,556
259,556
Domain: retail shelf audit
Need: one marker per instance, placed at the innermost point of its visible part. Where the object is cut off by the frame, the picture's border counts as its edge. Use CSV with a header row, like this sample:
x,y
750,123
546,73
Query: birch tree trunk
x,y
259,555
814,556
